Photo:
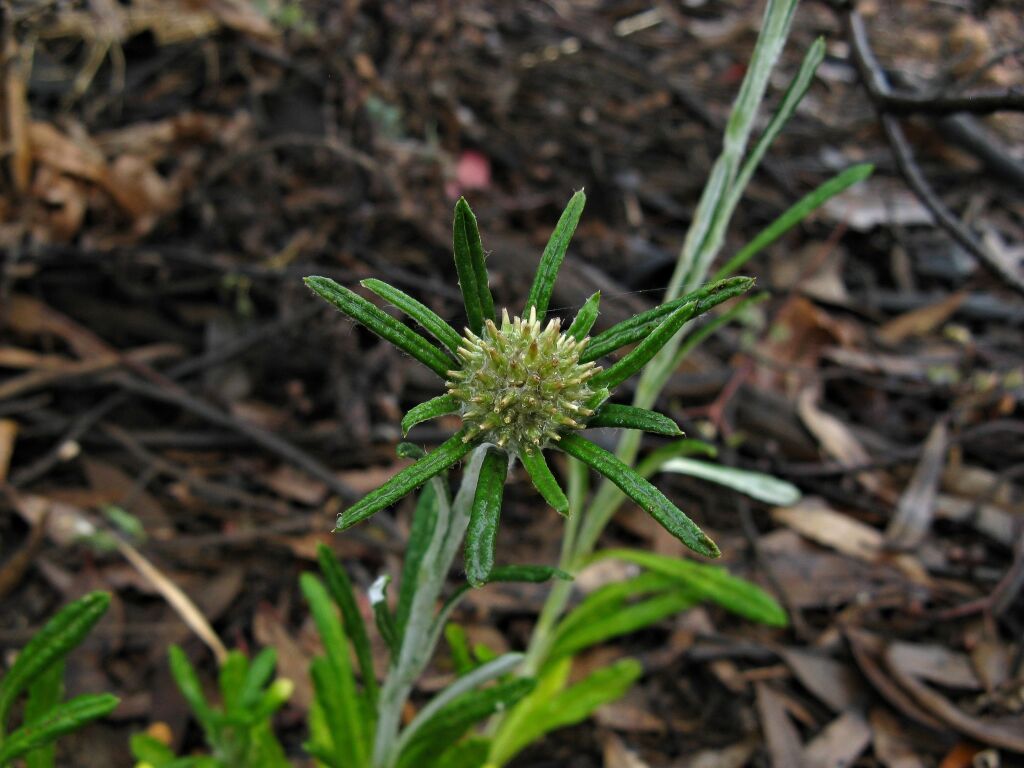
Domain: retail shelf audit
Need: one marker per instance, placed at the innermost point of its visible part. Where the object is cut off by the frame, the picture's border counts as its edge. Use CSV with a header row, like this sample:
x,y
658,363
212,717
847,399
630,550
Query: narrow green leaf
x,y
435,708
757,485
708,329
585,318
626,619
545,483
51,644
604,602
232,675
260,672
44,694
795,214
643,352
62,719
458,716
568,707
382,324
465,269
458,643
477,258
421,313
468,753
554,253
191,689
424,521
533,574
641,325
431,409
794,94
688,447
413,476
629,417
642,492
483,519
146,749
340,588
708,582
382,615
333,680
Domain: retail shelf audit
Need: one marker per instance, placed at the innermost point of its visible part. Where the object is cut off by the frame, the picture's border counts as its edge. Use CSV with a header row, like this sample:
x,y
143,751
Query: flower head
x,y
525,386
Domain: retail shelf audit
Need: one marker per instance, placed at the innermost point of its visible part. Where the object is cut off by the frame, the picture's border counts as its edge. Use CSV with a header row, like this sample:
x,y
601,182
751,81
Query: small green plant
x,y
38,673
522,386
239,733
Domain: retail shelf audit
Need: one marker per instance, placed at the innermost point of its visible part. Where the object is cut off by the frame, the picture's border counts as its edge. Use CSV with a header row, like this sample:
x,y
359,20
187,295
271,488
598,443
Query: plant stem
x,y
418,644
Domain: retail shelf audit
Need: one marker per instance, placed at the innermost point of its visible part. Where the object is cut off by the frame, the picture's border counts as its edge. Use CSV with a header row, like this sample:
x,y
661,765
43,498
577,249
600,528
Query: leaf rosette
x,y
526,386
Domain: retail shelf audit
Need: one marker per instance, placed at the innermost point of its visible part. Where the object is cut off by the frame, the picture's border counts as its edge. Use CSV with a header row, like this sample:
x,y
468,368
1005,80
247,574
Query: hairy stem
x,y
418,642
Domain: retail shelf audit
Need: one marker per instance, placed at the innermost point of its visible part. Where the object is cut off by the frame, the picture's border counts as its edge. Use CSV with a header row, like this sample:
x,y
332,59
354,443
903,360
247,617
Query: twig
x,y
261,437
876,83
984,103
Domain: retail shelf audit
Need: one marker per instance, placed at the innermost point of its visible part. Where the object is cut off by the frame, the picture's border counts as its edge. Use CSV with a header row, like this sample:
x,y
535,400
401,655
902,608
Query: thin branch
x,y
876,83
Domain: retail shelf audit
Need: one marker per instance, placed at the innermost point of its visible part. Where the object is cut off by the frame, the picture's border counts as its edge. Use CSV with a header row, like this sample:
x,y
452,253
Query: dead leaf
x,y
916,507
8,434
935,663
867,651
780,734
617,754
1007,732
834,683
817,521
891,746
838,440
735,756
920,321
840,742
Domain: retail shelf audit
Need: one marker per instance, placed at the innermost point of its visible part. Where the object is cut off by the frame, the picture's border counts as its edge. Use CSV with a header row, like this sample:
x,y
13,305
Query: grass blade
x,y
381,323
44,694
630,417
413,476
51,644
438,406
794,215
340,588
554,253
642,492
418,311
585,318
483,519
544,481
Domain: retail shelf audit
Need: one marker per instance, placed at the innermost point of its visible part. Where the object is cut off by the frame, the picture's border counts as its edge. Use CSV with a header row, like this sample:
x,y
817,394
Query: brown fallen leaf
x,y
934,663
617,754
834,683
8,434
817,521
916,507
921,321
780,735
867,651
270,631
735,756
839,442
889,740
1004,732
840,742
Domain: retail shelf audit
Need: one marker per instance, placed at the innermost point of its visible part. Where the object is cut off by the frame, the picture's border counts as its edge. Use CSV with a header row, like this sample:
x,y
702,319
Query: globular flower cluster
x,y
521,386
525,387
